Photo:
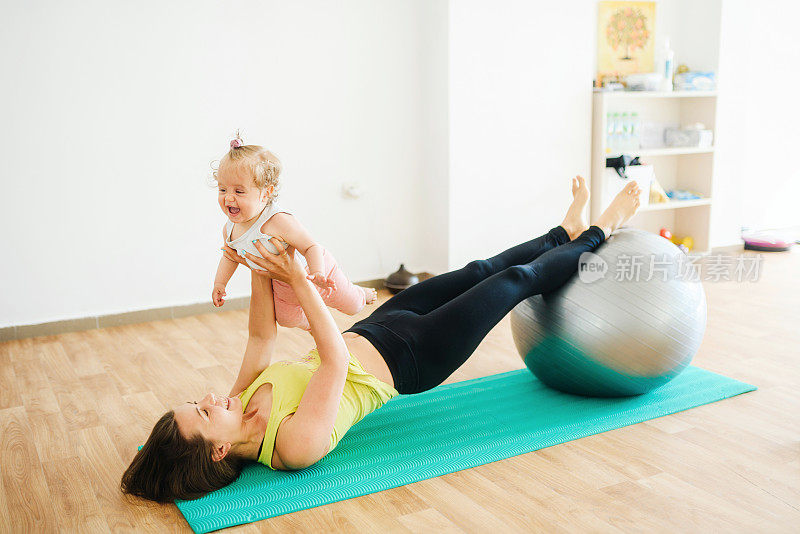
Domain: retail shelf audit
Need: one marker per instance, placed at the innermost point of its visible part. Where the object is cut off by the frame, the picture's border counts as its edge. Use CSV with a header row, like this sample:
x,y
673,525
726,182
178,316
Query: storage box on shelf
x,y
690,168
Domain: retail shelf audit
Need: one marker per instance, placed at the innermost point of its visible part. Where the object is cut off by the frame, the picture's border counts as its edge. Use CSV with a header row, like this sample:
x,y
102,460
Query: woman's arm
x,y
305,437
262,330
262,327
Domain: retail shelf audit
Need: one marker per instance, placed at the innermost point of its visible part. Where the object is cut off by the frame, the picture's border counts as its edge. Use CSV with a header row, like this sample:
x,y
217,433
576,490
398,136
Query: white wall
x,y
463,121
694,31
112,111
757,175
520,118
435,229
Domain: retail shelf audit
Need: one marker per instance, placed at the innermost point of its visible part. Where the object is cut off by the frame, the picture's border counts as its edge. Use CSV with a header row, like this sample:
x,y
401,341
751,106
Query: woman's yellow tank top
x,y
363,393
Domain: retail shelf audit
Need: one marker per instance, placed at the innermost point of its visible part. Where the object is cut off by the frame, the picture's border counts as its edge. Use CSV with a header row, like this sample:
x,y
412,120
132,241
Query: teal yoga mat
x,y
446,429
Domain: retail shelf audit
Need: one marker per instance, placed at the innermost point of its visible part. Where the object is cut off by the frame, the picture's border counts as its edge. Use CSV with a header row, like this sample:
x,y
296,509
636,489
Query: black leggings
x,y
427,331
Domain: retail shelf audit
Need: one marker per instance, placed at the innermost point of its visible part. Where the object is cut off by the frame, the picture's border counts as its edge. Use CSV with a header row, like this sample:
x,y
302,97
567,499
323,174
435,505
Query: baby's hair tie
x,y
237,142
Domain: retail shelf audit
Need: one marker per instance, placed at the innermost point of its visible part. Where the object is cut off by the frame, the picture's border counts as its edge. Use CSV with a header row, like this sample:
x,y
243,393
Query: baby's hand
x,y
216,295
325,282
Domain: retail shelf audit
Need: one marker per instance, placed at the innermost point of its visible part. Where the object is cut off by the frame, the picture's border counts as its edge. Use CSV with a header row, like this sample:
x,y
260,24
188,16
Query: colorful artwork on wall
x,y
625,36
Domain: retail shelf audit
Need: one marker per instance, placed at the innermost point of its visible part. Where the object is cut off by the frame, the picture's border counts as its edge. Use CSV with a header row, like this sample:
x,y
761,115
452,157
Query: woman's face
x,y
218,419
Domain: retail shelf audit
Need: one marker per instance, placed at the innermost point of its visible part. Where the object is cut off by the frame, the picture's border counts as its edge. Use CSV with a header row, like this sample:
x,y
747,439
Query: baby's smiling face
x,y
239,198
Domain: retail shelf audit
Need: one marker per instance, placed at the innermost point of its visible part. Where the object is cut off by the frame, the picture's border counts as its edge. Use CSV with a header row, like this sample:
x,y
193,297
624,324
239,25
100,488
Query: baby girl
x,y
247,178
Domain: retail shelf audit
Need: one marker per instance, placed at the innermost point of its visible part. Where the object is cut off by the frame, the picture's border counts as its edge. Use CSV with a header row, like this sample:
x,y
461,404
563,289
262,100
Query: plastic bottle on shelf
x,y
669,67
617,137
625,133
613,132
636,131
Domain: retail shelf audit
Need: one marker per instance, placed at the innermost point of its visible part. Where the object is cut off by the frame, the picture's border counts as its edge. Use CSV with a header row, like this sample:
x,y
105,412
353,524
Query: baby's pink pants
x,y
348,297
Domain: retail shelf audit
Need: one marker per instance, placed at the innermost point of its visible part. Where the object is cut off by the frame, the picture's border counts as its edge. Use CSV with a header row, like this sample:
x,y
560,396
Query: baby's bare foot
x,y
574,223
370,294
622,208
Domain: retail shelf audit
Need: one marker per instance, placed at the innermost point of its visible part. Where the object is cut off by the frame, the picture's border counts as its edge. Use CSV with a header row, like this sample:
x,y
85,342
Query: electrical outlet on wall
x,y
351,190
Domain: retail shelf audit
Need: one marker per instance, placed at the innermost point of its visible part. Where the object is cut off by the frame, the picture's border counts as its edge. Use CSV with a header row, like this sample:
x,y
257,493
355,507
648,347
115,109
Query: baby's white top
x,y
244,243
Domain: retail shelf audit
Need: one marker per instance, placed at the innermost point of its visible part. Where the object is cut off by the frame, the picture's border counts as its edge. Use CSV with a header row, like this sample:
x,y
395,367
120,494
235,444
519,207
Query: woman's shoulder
x,y
280,446
287,379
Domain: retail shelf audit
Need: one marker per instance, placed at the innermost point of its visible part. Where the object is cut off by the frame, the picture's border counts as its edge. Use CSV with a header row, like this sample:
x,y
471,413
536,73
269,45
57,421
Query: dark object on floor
x,y
400,279
770,247
766,241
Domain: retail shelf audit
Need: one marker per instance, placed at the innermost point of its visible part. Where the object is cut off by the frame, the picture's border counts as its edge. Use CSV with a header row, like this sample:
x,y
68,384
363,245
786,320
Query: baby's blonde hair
x,y
262,165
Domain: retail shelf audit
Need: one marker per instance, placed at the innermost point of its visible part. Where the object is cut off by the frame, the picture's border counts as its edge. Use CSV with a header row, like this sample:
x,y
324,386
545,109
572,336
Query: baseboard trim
x,y
52,328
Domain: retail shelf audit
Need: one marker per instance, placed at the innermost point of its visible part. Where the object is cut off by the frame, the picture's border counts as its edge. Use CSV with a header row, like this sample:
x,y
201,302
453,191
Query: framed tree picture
x,y
625,36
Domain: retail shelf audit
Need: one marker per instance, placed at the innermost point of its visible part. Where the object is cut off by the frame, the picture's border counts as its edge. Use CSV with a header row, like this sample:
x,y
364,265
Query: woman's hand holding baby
x,y
282,266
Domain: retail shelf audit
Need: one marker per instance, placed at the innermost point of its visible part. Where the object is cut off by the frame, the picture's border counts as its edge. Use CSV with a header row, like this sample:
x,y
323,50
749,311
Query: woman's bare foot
x,y
620,210
574,223
370,294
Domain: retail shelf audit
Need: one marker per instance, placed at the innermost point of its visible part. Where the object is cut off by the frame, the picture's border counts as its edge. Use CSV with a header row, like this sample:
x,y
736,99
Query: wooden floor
x,y
74,407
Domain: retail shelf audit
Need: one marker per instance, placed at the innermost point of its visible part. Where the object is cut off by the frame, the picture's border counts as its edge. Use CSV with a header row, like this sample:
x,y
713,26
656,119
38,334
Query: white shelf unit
x,y
669,151
681,168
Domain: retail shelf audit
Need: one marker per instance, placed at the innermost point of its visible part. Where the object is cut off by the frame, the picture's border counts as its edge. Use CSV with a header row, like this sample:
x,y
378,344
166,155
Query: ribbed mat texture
x,y
446,429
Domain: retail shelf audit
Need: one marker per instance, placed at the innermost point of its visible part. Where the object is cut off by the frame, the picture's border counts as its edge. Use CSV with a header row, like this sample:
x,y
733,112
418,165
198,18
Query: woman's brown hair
x,y
170,466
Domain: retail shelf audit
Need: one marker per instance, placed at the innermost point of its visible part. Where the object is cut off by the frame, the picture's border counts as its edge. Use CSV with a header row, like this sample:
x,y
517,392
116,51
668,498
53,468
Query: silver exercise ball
x,y
629,321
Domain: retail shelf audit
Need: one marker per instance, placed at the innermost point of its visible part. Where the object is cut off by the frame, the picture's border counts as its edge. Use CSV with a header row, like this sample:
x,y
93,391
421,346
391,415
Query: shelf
x,y
676,204
673,151
656,94
666,151
675,167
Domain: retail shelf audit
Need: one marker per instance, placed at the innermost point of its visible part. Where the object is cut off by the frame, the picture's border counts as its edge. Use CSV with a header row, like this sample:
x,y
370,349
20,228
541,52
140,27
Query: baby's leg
x,y
347,298
288,311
